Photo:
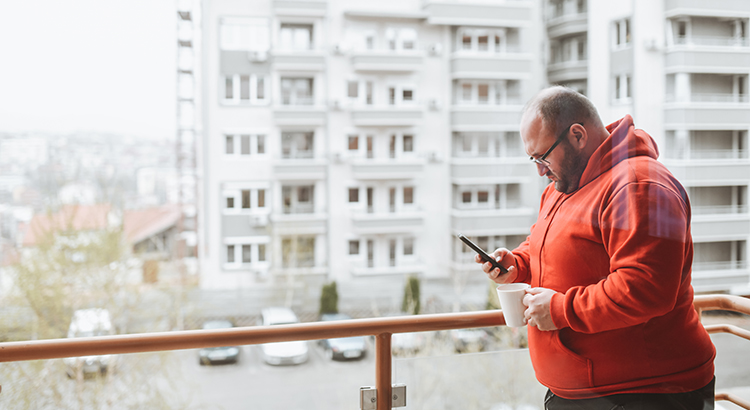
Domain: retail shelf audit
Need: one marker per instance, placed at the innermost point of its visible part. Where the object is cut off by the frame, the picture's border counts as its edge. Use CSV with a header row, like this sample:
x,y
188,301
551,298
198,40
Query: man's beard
x,y
571,170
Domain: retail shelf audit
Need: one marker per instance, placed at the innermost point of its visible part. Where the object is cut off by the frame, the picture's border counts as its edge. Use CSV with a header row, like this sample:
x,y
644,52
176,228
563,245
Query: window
x,y
401,95
623,88
400,145
247,34
408,195
354,247
408,246
353,195
244,200
497,196
621,33
298,252
353,143
296,36
296,91
244,89
298,199
401,38
230,253
297,145
484,40
244,144
247,253
352,89
488,92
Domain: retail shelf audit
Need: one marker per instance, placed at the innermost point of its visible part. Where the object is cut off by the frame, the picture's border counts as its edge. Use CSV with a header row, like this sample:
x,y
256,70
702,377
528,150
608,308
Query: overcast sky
x,y
88,65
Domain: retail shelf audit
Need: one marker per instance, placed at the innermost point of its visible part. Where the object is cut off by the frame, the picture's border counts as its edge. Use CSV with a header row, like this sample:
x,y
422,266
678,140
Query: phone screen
x,y
482,253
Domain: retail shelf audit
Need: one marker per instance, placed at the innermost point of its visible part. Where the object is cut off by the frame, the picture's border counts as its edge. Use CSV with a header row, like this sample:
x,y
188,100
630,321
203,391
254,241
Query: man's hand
x,y
507,259
537,301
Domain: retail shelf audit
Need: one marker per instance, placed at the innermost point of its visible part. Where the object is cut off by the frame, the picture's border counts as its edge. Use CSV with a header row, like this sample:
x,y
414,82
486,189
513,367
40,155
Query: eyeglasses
x,y
543,159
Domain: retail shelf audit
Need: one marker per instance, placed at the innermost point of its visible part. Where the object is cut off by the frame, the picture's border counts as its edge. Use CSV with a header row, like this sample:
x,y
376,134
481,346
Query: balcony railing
x,y
720,210
720,41
381,328
721,265
711,98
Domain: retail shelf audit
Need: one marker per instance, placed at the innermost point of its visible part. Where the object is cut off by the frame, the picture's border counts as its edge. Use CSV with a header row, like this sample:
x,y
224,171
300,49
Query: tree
x,y
69,270
411,303
329,299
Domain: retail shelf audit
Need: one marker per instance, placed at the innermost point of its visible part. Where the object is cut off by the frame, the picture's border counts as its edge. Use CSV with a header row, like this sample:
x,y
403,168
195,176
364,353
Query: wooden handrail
x,y
381,328
194,339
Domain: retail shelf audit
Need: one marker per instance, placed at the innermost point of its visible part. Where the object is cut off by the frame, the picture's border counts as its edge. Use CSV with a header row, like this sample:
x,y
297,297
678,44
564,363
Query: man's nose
x,y
541,169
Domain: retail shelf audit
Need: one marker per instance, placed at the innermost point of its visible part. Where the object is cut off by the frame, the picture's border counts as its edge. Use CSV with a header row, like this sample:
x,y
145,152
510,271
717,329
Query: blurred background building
x,y
350,140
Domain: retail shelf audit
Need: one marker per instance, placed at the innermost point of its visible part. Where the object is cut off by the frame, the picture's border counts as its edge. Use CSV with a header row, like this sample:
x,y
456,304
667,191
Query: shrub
x,y
411,303
329,299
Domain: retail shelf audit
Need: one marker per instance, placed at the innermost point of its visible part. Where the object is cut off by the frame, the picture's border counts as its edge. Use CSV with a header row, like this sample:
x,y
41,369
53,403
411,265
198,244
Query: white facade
x,y
680,68
346,141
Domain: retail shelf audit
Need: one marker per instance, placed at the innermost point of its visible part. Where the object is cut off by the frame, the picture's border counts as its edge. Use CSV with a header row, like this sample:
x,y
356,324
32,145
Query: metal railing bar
x,y
722,302
194,339
732,398
735,330
383,370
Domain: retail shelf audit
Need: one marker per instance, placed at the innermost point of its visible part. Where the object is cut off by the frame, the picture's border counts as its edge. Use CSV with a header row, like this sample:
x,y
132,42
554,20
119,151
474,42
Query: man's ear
x,y
578,136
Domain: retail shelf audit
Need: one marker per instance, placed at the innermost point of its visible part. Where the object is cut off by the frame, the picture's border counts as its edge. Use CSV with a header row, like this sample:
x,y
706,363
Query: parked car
x,y
90,323
216,355
282,353
469,340
407,344
343,348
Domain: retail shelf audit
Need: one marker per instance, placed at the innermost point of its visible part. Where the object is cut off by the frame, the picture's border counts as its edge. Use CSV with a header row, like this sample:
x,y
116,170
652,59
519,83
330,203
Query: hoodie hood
x,y
624,142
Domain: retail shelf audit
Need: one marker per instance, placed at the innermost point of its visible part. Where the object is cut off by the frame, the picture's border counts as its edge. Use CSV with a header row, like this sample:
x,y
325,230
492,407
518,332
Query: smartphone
x,y
484,255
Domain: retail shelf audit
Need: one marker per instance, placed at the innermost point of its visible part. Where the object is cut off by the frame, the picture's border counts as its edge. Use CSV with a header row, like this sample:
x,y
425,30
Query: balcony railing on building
x,y
718,41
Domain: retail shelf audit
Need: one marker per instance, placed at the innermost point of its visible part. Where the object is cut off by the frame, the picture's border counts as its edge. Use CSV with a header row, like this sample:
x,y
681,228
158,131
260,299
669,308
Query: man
x,y
610,311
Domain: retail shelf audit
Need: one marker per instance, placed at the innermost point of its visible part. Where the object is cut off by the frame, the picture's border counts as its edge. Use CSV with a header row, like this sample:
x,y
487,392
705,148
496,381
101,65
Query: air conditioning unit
x,y
339,49
436,49
433,156
258,220
433,104
337,105
257,56
336,157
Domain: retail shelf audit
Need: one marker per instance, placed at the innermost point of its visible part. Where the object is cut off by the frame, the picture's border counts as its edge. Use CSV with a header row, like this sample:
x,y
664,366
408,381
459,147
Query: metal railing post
x,y
383,370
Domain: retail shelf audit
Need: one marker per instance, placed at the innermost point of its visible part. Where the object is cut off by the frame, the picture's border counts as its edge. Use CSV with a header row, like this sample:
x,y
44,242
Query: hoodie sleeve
x,y
645,230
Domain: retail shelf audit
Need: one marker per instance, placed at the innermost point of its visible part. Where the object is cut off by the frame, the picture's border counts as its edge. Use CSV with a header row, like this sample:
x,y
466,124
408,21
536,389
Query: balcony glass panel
x,y
492,380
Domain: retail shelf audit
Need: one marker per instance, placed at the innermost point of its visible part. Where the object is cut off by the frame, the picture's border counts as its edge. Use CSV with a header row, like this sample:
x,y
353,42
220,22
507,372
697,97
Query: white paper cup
x,y
511,302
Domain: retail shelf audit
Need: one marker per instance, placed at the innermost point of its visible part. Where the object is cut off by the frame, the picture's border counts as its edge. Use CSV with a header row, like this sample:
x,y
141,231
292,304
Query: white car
x,y
283,352
90,323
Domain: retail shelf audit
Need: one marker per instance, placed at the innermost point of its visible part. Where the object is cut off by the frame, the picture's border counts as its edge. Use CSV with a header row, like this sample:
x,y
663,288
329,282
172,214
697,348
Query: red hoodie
x,y
618,251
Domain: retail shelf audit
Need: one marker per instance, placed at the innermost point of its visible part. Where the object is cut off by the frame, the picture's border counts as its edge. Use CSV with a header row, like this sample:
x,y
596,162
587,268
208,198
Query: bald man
x,y
610,315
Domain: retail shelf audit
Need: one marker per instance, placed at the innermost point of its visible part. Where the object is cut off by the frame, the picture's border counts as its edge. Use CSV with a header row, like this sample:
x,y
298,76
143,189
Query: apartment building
x,y
680,67
349,141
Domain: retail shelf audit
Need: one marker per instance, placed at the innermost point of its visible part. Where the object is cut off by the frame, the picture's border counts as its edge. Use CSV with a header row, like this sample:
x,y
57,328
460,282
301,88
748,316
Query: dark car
x,y
343,348
216,355
469,340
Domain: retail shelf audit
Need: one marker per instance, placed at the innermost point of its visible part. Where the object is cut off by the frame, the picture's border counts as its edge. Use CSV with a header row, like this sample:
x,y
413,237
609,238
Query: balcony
x,y
708,111
300,168
308,60
480,222
402,221
674,8
475,65
466,171
480,13
376,116
388,61
304,8
708,55
696,172
568,71
707,227
567,25
393,267
419,374
407,168
302,113
297,222
486,117
720,276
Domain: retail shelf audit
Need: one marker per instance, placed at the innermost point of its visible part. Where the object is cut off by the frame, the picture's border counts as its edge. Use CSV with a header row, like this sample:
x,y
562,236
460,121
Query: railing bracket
x,y
368,397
